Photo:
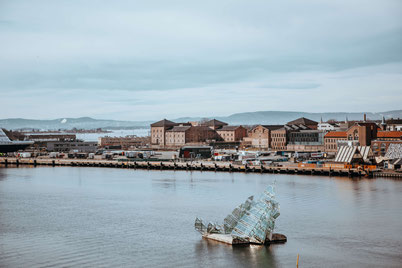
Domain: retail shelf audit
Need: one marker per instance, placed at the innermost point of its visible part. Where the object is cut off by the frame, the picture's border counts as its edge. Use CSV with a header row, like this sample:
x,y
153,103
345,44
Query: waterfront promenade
x,y
201,166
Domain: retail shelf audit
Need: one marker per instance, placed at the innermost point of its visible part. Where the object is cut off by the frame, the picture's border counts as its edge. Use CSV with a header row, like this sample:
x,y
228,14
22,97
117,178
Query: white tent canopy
x,y
346,154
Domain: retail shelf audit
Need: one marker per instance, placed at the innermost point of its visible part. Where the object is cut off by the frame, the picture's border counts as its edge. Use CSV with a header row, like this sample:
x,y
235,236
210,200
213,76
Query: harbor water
x,y
104,217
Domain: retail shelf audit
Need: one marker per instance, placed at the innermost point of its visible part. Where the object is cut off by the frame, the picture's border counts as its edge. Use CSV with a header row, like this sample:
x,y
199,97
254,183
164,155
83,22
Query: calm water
x,y
94,217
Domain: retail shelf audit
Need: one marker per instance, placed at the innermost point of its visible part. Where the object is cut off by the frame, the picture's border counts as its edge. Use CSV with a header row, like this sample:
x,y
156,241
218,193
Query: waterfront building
x,y
260,136
8,145
380,147
393,157
384,140
354,155
158,130
44,137
331,140
310,140
232,133
123,143
177,136
168,134
190,135
41,139
362,133
75,146
279,139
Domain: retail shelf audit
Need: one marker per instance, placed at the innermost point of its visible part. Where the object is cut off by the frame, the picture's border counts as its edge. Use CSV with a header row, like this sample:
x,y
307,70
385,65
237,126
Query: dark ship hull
x,y
13,147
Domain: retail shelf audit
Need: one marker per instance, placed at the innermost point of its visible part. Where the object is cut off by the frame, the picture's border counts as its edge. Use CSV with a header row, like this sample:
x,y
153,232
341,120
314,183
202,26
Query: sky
x,y
145,60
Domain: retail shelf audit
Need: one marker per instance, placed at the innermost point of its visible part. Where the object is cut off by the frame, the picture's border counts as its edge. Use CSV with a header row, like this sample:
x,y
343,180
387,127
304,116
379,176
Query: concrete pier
x,y
204,166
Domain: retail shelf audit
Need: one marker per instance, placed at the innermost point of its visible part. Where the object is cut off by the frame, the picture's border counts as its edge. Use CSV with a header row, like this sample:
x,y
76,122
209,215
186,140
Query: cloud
x,y
138,49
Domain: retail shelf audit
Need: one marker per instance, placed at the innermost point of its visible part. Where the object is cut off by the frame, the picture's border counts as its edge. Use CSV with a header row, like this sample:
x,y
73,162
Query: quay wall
x,y
201,166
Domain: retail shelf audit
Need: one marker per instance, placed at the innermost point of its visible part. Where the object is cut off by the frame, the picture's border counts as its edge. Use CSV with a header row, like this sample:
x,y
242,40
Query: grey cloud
x,y
286,85
158,45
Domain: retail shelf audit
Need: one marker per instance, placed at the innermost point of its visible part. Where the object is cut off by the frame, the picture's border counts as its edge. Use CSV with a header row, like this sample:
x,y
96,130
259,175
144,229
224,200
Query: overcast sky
x,y
145,60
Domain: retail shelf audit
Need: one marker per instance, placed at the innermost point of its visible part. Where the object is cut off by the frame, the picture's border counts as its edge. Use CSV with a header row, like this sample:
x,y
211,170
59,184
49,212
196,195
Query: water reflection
x,y
118,217
239,255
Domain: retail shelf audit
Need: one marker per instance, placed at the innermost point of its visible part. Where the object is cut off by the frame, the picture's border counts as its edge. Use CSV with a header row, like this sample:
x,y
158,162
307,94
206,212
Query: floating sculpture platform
x,y
252,222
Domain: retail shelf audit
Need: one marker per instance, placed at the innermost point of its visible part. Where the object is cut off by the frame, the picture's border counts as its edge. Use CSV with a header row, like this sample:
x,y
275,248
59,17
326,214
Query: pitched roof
x,y
228,128
179,129
302,120
389,134
296,127
346,153
3,137
394,121
215,122
394,151
336,134
163,123
397,161
272,127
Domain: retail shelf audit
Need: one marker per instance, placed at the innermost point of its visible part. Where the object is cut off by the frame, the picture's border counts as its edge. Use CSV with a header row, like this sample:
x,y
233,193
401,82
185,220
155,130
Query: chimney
x,y
364,118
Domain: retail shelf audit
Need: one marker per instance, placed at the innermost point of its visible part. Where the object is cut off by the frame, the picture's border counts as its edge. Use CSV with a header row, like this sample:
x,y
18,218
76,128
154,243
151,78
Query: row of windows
x,y
331,146
333,140
176,141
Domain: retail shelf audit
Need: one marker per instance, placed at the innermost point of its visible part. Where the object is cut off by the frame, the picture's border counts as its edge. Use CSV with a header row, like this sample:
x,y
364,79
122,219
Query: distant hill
x,y
282,117
249,118
70,123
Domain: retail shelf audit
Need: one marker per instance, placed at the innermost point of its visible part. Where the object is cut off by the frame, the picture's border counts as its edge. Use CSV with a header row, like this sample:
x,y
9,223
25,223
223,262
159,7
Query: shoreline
x,y
190,166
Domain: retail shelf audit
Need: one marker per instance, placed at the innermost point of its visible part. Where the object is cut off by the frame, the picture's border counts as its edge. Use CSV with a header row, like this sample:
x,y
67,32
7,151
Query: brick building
x,y
184,135
279,138
166,133
260,136
123,143
158,131
331,140
384,140
232,133
362,133
177,135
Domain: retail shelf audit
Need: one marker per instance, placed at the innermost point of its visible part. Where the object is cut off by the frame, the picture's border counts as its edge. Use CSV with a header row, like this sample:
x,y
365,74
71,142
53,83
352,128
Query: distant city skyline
x,y
130,60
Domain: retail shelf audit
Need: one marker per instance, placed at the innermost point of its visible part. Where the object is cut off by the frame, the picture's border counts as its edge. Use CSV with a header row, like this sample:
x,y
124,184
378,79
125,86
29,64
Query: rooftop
x,y
179,129
228,128
272,127
163,123
215,122
303,121
394,121
389,134
336,134
394,151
